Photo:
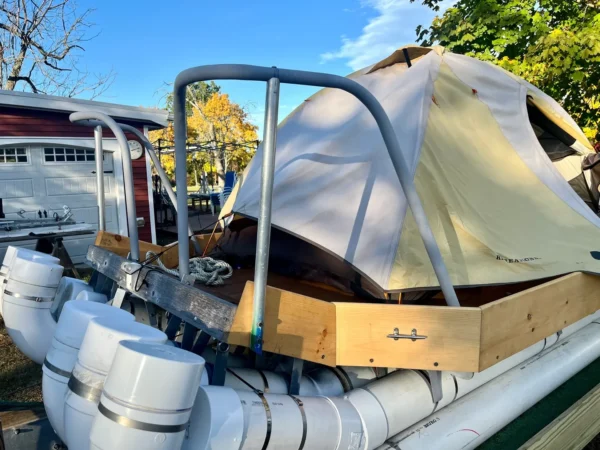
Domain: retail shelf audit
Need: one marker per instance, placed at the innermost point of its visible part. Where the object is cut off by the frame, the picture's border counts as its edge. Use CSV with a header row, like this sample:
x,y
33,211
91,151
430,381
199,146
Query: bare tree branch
x,y
28,80
41,43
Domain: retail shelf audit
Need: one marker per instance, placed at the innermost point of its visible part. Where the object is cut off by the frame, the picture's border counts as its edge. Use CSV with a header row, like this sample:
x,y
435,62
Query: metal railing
x,y
274,76
127,173
161,172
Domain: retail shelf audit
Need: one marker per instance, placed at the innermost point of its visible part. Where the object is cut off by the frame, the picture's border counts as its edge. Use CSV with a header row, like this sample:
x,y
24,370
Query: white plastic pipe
x,y
322,381
391,404
68,289
473,419
93,364
385,406
147,398
7,262
226,419
96,297
403,399
28,295
62,355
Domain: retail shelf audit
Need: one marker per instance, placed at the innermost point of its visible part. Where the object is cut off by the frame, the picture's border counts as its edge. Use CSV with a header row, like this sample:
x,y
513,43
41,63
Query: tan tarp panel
x,y
500,210
491,215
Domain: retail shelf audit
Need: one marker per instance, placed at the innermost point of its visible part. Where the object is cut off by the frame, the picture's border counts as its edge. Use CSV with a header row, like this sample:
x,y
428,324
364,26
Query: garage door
x,y
45,178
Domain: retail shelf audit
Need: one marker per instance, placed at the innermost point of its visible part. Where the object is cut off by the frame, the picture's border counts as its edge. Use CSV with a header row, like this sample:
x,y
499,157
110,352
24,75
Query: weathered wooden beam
x,y
573,429
205,311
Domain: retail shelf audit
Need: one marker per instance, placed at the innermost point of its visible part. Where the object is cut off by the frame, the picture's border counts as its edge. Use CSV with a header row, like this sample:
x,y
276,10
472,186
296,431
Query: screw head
x,y
528,316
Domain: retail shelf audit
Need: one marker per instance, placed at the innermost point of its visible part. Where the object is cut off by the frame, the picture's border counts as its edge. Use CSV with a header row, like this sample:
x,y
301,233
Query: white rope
x,y
208,271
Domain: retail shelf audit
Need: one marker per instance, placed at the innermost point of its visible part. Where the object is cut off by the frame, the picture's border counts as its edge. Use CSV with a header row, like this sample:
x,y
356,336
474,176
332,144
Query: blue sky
x,y
147,42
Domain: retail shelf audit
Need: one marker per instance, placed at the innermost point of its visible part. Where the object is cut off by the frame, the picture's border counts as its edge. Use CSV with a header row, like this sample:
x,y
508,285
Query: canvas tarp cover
x,y
499,209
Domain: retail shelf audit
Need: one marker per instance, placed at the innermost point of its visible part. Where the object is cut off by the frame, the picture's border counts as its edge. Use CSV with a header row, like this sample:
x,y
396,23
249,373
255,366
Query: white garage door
x,y
45,177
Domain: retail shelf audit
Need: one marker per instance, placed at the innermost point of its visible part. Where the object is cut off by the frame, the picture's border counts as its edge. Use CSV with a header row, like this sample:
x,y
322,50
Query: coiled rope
x,y
208,271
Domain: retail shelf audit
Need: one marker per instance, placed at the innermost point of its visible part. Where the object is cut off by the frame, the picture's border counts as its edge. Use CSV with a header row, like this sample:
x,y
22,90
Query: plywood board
x,y
573,429
295,325
207,241
513,323
120,245
452,336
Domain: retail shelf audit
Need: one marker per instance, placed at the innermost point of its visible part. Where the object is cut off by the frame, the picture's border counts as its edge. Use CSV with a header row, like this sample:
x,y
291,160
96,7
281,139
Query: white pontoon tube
x,y
91,296
385,406
325,381
147,398
473,419
68,289
231,420
28,295
62,354
93,364
7,262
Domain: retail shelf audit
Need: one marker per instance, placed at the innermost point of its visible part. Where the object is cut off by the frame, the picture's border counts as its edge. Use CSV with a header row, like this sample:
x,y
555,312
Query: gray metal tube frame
x,y
257,73
127,173
159,169
163,177
263,234
161,173
100,178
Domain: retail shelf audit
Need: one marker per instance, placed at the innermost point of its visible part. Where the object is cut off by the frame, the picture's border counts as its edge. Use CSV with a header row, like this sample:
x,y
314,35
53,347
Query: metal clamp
x,y
435,385
132,273
413,336
188,280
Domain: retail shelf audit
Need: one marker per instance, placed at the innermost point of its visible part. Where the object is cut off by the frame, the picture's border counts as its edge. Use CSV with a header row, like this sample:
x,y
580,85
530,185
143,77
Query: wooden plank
x,y
573,429
452,336
205,311
205,241
16,417
120,245
513,323
295,325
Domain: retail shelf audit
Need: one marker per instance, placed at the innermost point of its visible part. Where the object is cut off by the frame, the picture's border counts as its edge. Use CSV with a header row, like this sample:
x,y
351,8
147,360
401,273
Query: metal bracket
x,y
117,300
435,385
218,378
173,326
133,270
151,311
188,279
413,336
297,367
201,343
189,336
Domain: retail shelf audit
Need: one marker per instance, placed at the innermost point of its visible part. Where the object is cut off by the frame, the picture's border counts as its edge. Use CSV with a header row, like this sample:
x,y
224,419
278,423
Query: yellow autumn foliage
x,y
220,126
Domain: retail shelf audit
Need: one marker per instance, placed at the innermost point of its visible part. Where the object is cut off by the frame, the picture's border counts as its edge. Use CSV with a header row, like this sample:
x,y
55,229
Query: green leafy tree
x,y
197,94
553,44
